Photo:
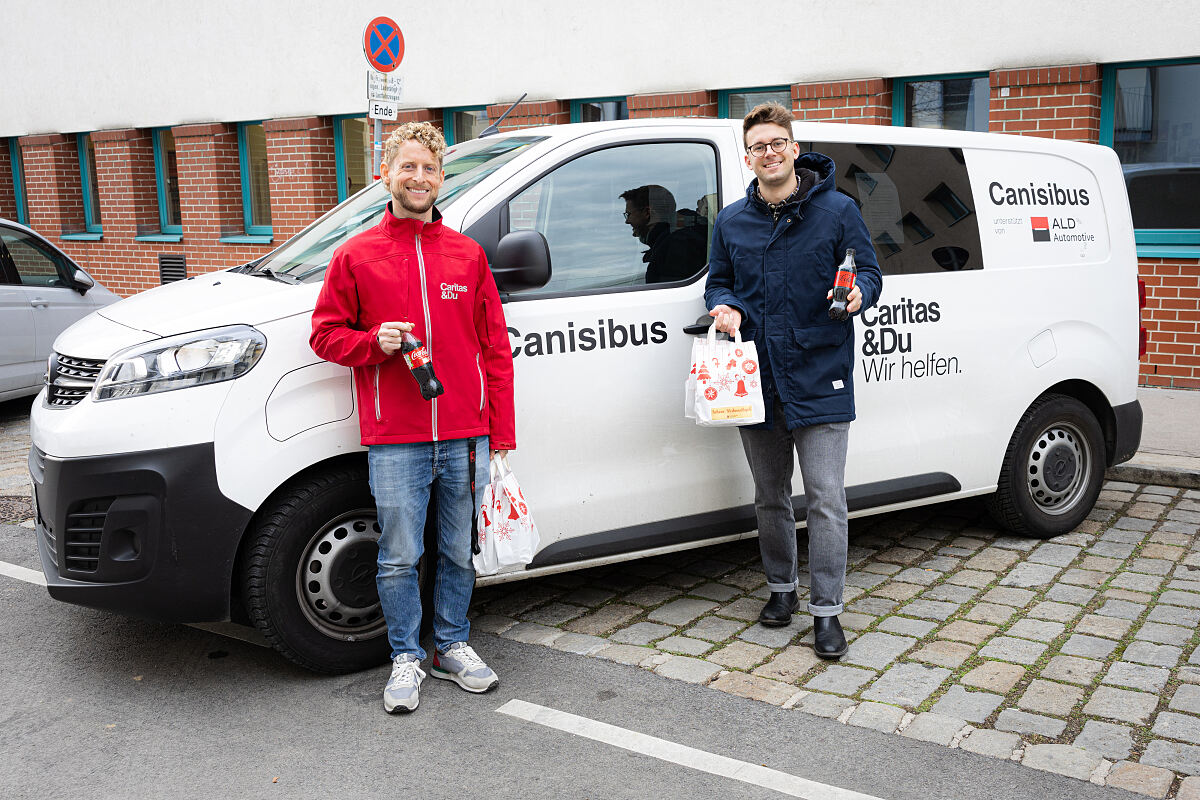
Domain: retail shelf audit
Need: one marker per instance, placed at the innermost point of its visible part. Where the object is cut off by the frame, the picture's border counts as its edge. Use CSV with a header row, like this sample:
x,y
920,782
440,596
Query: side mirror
x,y
522,261
81,281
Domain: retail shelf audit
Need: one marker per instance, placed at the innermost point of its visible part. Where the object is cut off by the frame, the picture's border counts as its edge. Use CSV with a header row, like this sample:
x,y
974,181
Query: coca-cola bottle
x,y
841,286
416,356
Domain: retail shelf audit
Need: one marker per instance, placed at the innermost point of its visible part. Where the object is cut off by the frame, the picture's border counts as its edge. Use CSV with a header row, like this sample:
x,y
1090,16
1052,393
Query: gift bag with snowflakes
x,y
728,389
507,533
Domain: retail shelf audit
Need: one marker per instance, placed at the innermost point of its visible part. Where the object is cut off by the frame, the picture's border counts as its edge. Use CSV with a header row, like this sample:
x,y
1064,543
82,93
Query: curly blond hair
x,y
422,132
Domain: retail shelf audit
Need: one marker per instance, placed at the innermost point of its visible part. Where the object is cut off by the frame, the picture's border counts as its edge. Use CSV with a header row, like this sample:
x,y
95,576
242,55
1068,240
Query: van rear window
x,y
916,202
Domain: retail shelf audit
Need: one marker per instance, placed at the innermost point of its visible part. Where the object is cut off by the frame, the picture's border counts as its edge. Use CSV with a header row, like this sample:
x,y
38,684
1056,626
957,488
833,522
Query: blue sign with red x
x,y
383,44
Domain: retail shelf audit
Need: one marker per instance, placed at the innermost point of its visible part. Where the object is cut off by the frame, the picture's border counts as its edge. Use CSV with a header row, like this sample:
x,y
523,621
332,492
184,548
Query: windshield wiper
x,y
267,272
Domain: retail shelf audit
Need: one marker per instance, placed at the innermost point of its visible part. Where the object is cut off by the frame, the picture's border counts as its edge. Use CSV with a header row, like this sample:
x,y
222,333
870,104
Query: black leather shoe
x,y
828,639
778,611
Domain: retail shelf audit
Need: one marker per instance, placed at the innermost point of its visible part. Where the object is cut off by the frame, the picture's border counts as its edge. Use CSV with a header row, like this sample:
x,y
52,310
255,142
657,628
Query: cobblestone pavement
x,y
1076,655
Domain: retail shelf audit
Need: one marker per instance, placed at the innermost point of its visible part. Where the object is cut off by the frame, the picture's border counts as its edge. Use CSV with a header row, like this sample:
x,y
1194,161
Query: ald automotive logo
x,y
1041,228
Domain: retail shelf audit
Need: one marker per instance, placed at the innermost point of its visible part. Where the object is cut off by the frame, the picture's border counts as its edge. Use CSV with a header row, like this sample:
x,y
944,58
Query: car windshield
x,y
305,258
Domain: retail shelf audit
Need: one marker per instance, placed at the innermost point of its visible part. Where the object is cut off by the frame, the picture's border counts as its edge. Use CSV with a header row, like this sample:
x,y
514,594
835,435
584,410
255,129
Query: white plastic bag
x,y
728,390
689,386
507,533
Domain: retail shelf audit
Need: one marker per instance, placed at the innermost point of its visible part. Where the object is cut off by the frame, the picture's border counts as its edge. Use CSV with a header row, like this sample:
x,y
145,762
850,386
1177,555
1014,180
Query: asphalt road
x,y
98,705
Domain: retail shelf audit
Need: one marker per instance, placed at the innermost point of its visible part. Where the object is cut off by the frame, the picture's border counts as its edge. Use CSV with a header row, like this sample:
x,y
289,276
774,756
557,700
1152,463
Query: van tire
x,y
1063,434
323,519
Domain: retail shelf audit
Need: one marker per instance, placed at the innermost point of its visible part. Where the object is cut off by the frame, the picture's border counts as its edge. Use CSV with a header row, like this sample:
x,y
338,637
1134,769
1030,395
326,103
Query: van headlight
x,y
177,362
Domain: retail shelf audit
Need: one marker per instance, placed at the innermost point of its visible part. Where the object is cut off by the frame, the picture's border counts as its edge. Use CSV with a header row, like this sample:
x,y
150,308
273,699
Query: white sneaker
x,y
403,691
460,664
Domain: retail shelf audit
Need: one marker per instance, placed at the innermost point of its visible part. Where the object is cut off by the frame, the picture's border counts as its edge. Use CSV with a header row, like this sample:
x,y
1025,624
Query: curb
x,y
1161,470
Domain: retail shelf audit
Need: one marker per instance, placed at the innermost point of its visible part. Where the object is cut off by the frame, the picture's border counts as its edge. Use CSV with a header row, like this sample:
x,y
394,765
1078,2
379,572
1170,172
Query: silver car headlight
x,y
177,362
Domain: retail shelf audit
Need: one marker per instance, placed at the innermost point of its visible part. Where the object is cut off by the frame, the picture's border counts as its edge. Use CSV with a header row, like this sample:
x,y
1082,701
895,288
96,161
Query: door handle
x,y
38,302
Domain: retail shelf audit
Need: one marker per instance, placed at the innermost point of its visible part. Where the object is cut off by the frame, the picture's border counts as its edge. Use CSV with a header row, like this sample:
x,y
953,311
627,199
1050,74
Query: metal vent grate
x,y
171,267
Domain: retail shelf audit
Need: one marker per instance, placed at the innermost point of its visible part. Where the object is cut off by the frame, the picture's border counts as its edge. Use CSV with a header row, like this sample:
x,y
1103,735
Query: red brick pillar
x,y
8,194
700,103
533,114
1054,102
866,102
1172,319
303,172
52,184
129,208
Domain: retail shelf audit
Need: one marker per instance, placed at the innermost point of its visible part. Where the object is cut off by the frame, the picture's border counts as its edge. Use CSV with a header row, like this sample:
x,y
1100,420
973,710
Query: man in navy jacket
x,y
774,258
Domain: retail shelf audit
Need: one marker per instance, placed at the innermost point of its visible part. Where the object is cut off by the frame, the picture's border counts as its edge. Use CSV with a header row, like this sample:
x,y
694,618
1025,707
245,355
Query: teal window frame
x,y
723,96
339,152
91,225
254,233
160,183
1151,242
18,177
577,105
899,85
448,121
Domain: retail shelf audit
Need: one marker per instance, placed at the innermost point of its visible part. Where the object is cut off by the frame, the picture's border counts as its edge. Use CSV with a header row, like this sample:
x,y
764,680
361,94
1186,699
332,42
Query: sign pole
x,y
377,150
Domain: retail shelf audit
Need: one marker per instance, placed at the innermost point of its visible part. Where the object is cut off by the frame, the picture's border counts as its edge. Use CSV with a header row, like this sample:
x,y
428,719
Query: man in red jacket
x,y
411,273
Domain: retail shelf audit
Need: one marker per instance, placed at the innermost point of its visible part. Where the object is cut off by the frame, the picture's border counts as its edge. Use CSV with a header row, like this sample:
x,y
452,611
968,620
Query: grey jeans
x,y
822,454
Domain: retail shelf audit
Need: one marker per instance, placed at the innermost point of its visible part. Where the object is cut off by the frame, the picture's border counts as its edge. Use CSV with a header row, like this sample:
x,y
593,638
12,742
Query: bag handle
x,y
712,336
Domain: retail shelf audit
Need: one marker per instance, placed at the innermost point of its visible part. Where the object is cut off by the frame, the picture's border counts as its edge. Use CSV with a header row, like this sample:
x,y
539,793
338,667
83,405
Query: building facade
x,y
141,192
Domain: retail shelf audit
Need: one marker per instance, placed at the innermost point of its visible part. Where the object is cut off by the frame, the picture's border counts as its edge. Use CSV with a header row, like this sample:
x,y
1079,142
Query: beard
x,y
413,207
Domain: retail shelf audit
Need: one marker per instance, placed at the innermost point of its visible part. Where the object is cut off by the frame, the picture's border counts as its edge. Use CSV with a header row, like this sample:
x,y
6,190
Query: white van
x,y
214,467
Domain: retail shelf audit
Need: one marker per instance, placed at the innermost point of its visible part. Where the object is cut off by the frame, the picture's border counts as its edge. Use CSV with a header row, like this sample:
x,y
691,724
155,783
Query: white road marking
x,y
227,629
675,753
22,573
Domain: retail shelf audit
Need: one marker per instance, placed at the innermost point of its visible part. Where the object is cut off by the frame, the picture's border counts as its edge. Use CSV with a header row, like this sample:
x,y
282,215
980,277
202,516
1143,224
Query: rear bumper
x,y
147,534
1127,431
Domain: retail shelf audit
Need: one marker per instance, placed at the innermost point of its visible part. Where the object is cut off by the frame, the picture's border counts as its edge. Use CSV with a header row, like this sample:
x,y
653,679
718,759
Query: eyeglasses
x,y
760,149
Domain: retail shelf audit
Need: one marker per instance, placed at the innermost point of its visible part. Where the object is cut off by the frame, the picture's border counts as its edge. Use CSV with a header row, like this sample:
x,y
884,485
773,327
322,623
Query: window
x,y
914,201
355,154
88,183
735,104
18,178
624,216
256,184
464,124
1150,115
955,102
599,110
36,264
166,178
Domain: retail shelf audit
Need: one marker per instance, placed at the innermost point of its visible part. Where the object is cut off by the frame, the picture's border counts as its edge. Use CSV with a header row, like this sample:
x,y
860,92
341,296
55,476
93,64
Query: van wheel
x,y
1052,470
308,574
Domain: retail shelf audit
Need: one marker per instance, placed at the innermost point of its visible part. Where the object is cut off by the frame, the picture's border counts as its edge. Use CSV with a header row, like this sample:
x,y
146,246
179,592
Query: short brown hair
x,y
421,132
767,113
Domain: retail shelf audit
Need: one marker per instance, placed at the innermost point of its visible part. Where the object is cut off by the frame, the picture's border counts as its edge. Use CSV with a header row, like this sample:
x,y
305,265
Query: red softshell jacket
x,y
406,270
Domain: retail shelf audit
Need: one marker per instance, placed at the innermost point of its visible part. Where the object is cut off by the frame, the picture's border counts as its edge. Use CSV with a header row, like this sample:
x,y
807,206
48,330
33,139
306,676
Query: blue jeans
x,y
402,476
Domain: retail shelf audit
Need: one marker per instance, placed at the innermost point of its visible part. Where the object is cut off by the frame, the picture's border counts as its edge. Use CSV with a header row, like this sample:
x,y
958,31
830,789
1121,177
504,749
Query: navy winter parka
x,y
777,274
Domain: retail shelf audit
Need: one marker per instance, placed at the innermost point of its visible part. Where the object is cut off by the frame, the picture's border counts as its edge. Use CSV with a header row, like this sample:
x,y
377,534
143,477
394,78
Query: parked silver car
x,y
42,293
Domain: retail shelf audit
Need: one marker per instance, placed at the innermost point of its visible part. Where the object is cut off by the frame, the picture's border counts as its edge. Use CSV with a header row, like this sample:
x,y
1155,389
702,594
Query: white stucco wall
x,y
78,65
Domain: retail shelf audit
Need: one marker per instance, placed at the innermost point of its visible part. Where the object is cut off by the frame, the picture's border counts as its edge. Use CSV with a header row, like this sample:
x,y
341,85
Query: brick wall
x,y
8,197
52,183
532,115
865,102
1172,319
302,170
1055,102
700,103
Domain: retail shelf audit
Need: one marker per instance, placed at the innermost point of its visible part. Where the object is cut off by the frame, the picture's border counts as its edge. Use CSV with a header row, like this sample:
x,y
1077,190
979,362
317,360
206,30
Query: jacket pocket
x,y
482,390
819,361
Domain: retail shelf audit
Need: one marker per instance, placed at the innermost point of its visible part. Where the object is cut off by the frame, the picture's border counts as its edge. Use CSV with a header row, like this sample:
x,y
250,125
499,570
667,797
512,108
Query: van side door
x,y
600,356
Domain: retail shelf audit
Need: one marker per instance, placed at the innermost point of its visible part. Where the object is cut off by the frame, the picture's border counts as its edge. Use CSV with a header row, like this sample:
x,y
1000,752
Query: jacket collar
x,y
822,165
407,228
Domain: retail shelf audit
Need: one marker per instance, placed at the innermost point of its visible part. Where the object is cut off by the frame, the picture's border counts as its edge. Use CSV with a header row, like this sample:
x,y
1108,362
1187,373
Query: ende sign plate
x,y
382,110
384,88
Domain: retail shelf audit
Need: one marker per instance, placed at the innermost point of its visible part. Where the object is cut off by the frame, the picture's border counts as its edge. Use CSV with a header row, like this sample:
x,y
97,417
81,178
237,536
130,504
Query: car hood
x,y
210,301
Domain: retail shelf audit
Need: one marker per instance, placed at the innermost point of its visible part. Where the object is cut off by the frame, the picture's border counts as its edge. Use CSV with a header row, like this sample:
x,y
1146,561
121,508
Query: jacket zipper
x,y
479,369
378,413
428,327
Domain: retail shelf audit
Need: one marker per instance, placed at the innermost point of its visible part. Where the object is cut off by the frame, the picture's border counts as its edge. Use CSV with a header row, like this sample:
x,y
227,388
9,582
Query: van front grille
x,y
70,379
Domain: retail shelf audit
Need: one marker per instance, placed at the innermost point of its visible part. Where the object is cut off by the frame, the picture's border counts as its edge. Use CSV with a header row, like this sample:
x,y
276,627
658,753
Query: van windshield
x,y
304,259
